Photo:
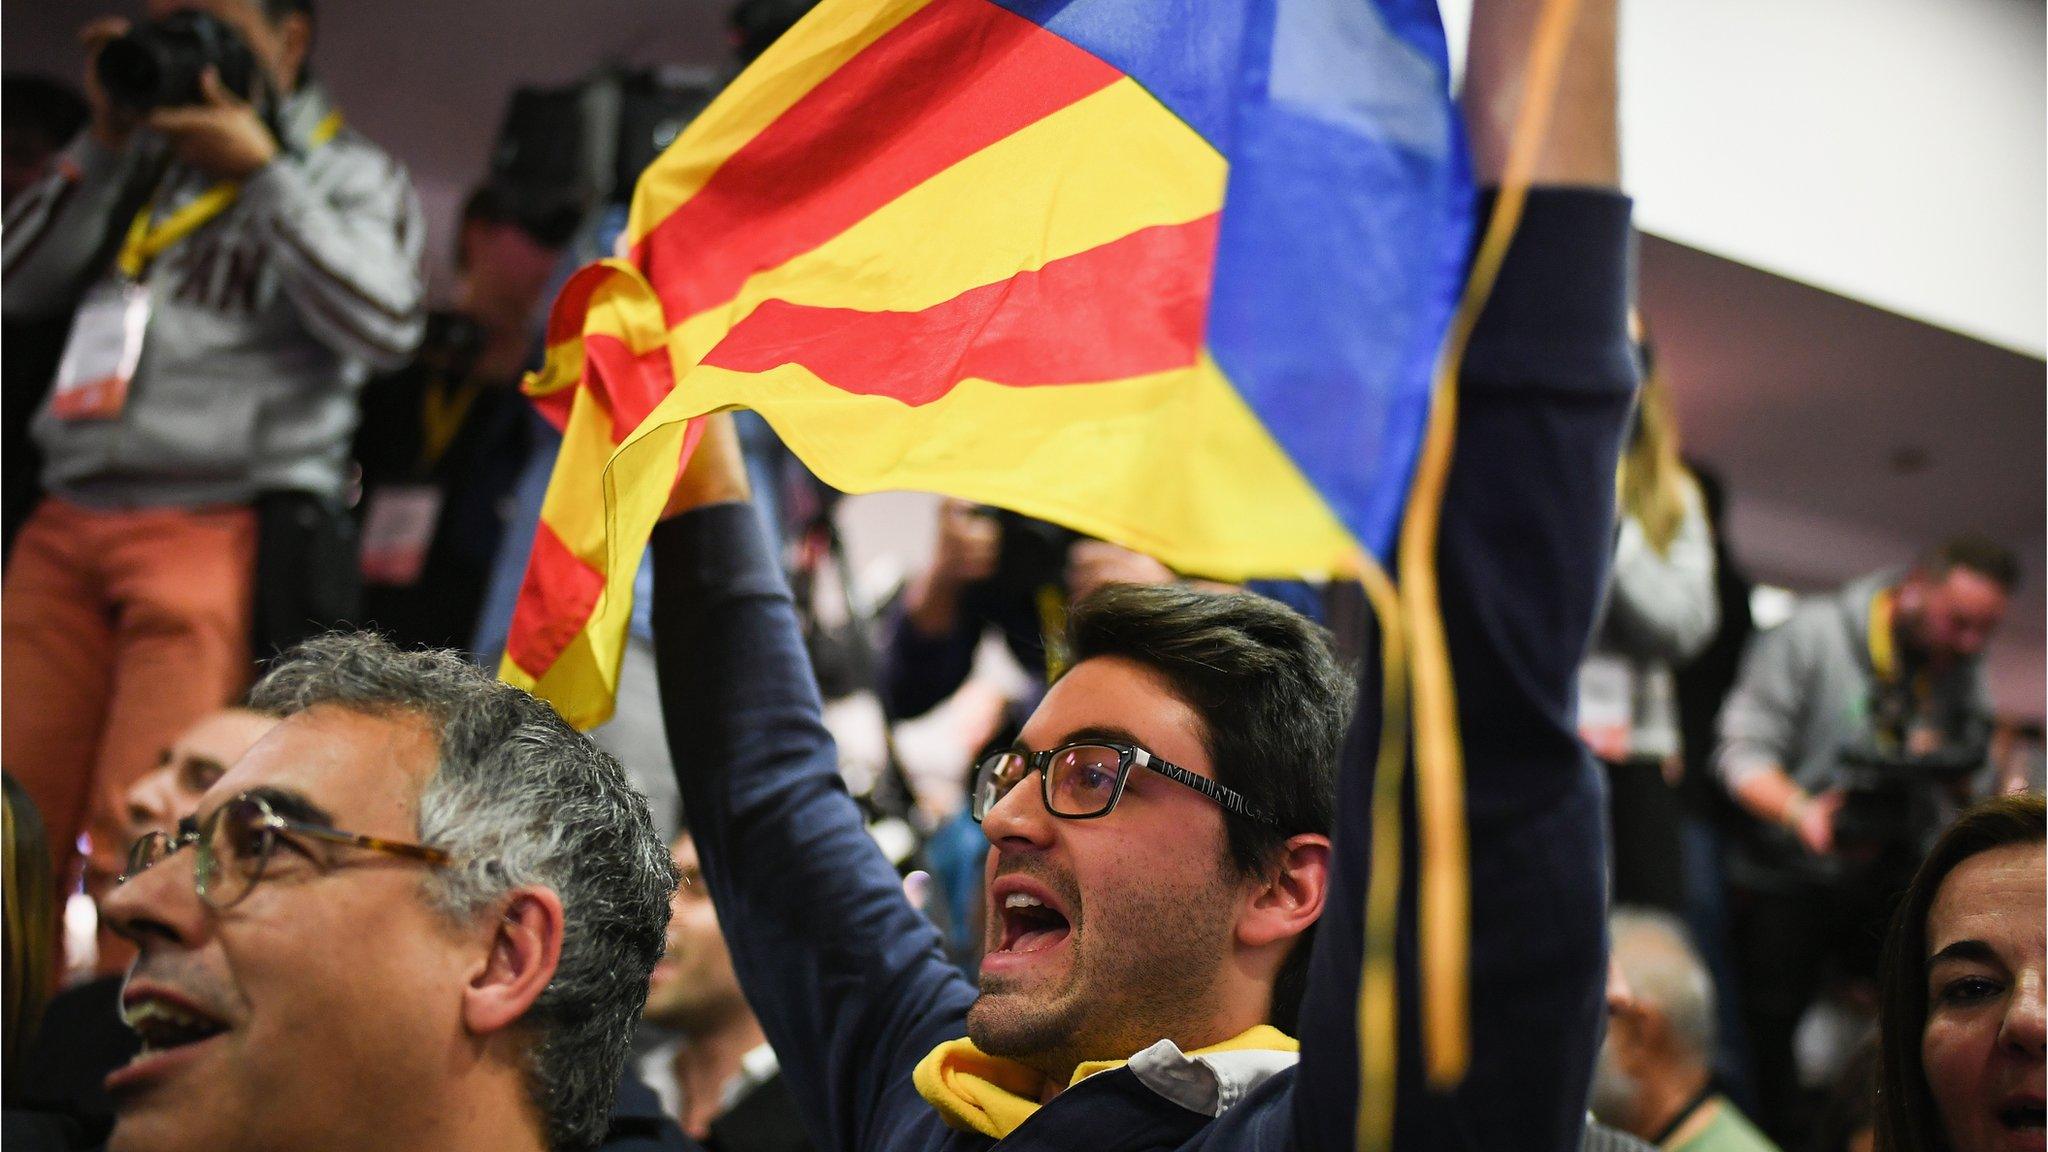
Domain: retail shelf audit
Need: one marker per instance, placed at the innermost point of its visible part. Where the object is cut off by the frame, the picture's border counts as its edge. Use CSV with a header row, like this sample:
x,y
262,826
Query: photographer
x,y
1845,737
234,260
443,440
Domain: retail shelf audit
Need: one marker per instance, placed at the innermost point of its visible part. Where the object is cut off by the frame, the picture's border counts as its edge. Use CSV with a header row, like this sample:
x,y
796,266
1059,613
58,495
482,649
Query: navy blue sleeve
x,y
848,979
920,671
1545,395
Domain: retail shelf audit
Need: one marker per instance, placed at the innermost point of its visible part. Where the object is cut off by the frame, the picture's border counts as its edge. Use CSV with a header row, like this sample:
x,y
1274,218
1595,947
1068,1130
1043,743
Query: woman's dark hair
x,y
1906,1116
31,921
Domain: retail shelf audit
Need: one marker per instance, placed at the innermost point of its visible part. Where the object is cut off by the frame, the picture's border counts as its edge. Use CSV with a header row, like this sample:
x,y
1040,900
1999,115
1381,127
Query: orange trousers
x,y
118,629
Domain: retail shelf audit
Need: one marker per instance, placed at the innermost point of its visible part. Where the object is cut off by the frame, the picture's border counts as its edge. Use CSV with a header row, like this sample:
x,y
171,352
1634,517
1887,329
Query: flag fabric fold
x,y
1170,272
1173,273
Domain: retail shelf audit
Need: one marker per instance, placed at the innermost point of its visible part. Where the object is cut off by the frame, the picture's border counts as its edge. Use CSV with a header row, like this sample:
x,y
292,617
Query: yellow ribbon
x,y
1378,1019
146,240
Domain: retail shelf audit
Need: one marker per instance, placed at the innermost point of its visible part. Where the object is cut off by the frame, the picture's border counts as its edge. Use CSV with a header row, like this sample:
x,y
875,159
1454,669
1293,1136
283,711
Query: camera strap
x,y
149,238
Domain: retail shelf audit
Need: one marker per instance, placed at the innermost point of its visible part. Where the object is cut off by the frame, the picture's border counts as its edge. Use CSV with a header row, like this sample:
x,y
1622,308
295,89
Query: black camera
x,y
1890,799
158,65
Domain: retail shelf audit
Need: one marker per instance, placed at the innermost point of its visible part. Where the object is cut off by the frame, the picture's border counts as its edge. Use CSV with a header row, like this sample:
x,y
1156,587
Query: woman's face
x,y
1983,1044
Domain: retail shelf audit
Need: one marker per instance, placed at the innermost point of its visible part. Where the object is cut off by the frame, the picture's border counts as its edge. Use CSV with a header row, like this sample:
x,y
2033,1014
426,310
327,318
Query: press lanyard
x,y
442,411
1884,654
146,240
1884,657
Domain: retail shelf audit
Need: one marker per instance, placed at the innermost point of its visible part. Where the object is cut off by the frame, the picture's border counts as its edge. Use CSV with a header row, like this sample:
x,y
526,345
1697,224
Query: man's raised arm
x,y
1545,391
847,978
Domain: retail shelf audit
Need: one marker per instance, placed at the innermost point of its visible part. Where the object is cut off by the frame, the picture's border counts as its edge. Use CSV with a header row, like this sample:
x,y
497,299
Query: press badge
x,y
397,531
100,358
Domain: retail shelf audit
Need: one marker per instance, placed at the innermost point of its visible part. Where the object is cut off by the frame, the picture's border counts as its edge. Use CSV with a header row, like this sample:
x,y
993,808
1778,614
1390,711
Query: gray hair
x,y
519,799
1663,970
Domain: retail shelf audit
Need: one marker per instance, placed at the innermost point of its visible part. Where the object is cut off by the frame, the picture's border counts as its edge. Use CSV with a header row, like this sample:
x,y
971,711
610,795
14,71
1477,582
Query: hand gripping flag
x,y
1174,273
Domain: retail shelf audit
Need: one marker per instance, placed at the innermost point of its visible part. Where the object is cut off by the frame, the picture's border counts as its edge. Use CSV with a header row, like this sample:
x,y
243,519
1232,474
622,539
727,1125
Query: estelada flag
x,y
1173,273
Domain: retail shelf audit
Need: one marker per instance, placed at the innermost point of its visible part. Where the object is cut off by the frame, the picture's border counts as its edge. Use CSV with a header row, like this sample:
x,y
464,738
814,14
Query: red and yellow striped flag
x,y
942,244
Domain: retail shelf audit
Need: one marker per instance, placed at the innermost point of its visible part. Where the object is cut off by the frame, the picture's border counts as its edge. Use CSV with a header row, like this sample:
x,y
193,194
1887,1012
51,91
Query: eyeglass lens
x,y
1079,781
235,845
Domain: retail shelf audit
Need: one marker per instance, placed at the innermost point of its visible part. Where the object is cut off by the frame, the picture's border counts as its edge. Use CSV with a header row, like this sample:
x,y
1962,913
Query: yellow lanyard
x,y
441,414
1884,657
146,240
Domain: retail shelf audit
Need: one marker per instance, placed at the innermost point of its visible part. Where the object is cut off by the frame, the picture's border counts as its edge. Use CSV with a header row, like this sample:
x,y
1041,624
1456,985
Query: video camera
x,y
562,153
158,64
1890,800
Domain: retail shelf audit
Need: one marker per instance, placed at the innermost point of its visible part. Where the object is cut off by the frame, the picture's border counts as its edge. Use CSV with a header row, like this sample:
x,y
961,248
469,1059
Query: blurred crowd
x,y
1823,851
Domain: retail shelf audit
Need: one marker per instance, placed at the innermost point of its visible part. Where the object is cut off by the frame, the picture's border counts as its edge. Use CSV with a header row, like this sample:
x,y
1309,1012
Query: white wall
x,y
1888,150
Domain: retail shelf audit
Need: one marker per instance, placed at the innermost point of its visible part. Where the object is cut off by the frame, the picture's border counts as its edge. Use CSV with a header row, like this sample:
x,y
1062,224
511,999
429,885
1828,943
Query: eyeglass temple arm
x,y
373,843
1230,799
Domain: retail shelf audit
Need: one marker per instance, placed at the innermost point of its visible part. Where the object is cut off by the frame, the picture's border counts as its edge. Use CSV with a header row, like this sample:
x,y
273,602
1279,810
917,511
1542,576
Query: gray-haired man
x,y
1653,1079
420,913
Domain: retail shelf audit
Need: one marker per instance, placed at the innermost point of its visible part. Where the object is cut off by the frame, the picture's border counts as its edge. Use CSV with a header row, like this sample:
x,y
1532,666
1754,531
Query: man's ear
x,y
525,947
1288,900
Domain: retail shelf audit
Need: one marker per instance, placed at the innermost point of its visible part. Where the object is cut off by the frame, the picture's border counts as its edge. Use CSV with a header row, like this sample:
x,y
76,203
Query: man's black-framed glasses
x,y
1085,780
234,843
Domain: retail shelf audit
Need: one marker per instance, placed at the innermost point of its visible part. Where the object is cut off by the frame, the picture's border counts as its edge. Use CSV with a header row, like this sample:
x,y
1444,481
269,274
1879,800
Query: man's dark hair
x,y
1980,554
1273,700
276,10
549,223
519,797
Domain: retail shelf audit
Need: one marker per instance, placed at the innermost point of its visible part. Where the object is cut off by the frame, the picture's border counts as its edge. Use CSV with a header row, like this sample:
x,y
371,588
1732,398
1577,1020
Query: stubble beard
x,y
1155,974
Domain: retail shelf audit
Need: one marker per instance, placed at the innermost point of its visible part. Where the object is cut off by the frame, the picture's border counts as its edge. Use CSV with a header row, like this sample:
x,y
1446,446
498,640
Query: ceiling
x,y
1849,437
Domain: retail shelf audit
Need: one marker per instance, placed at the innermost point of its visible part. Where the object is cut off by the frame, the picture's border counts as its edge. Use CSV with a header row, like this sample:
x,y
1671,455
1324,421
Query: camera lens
x,y
158,65
131,71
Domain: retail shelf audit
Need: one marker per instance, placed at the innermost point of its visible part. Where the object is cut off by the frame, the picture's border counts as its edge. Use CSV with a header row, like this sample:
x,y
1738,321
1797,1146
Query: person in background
x,y
443,440
233,269
1886,671
712,1066
31,926
1655,1076
1707,812
40,116
1661,611
31,947
198,758
999,570
1962,1017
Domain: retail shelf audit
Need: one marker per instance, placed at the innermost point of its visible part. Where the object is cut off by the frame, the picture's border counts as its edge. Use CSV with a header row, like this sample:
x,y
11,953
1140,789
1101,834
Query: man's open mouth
x,y
164,1025
1029,925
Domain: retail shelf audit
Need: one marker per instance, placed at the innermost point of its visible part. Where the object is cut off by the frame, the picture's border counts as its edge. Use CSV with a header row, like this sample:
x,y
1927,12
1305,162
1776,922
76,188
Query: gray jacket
x,y
1805,692
1661,610
264,322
